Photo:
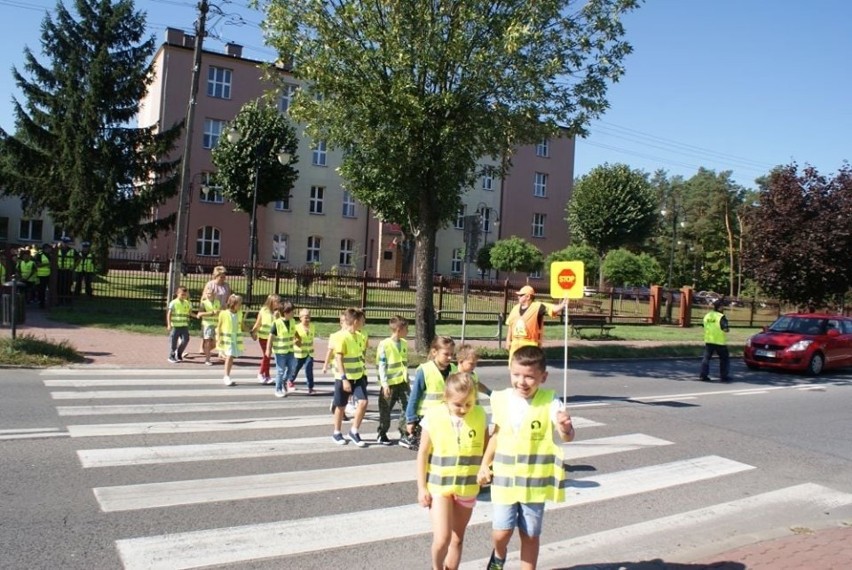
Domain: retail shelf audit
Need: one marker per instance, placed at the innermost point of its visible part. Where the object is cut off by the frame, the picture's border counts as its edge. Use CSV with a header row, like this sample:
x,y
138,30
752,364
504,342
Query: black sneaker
x,y
406,442
705,379
384,440
495,563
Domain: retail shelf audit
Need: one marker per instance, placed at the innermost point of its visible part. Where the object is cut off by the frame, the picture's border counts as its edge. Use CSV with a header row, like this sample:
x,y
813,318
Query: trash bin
x,y
6,306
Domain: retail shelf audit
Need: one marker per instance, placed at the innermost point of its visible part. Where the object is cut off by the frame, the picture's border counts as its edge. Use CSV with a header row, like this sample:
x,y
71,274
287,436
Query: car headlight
x,y
748,341
800,346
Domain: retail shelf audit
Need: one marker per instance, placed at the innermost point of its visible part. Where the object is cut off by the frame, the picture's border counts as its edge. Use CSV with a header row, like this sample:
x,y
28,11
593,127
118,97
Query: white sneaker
x,y
260,379
280,394
228,382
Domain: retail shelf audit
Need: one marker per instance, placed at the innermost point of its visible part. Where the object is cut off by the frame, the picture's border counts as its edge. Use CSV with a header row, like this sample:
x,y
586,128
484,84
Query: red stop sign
x,y
566,279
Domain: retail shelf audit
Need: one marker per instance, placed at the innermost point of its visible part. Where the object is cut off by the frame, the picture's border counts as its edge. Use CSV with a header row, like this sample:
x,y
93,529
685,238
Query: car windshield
x,y
799,325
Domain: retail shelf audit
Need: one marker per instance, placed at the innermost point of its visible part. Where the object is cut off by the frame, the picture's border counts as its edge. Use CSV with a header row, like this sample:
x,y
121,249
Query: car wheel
x,y
816,364
751,366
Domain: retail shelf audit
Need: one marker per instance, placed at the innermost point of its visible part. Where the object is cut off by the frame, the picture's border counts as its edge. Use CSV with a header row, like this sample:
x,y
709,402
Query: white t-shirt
x,y
518,408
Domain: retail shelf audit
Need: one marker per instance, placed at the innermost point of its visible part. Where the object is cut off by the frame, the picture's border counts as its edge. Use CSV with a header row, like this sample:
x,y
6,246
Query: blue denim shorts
x,y
527,517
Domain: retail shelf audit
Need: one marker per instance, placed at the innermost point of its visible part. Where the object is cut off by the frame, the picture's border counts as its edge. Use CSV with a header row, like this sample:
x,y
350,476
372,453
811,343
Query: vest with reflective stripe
x,y
525,330
397,360
65,259
353,358
334,342
361,336
306,340
86,263
456,455
43,269
232,330
180,312
434,386
527,465
713,333
208,306
282,332
27,271
266,318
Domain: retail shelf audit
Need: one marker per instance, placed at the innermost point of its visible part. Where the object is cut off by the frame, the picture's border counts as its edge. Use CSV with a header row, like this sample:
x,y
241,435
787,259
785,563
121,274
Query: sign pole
x,y
566,282
565,359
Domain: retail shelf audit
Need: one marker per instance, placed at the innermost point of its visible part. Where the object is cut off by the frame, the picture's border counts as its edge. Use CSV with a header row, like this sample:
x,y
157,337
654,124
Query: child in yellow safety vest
x,y
427,390
209,315
526,456
350,379
260,332
392,359
303,348
229,335
177,323
281,345
466,359
452,441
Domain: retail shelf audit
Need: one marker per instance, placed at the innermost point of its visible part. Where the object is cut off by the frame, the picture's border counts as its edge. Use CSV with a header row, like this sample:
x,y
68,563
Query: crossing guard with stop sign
x,y
566,282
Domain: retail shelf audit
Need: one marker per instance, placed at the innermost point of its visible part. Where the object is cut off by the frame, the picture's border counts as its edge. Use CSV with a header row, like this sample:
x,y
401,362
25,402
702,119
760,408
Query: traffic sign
x,y
566,279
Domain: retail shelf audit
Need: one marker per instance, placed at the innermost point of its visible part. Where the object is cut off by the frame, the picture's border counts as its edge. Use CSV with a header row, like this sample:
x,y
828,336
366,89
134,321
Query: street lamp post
x,y
484,211
675,225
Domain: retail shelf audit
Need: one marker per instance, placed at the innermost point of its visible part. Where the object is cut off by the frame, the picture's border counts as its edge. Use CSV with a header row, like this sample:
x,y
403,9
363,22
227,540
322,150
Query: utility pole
x,y
184,196
472,230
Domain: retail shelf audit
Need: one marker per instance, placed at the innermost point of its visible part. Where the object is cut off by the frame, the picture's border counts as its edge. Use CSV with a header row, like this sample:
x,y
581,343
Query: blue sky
x,y
739,85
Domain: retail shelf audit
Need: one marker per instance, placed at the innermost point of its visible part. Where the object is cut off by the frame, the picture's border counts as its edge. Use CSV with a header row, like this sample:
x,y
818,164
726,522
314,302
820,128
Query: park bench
x,y
580,322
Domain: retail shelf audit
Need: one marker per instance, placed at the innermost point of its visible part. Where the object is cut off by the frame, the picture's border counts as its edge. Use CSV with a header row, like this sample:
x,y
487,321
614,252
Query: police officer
x,y
26,269
66,260
85,269
715,329
42,260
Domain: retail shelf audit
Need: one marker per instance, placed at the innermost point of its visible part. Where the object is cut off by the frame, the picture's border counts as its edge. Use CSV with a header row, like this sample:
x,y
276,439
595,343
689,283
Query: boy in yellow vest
x,y
392,358
303,348
349,379
526,456
177,323
280,344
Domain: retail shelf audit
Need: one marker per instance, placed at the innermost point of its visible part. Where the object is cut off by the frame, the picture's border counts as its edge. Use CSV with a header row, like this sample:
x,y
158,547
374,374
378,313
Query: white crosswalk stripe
x,y
149,489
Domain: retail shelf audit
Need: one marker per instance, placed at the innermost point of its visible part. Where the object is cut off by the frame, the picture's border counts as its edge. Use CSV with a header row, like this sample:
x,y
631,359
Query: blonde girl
x,y
209,315
453,438
428,386
229,335
260,333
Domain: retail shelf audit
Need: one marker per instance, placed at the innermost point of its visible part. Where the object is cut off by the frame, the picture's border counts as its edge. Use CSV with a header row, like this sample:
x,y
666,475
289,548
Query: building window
x,y
538,225
319,155
456,261
314,243
348,205
283,205
315,204
211,193
208,242
219,82
288,91
4,228
125,242
485,216
58,232
535,274
459,223
347,249
540,185
30,230
279,247
487,182
212,131
543,148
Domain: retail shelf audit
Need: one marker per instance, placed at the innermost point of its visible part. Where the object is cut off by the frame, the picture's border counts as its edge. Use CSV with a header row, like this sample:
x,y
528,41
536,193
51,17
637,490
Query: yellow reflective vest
x,y
434,386
208,306
65,258
86,263
456,451
528,465
266,318
43,269
231,330
353,357
306,340
180,312
282,335
396,358
713,333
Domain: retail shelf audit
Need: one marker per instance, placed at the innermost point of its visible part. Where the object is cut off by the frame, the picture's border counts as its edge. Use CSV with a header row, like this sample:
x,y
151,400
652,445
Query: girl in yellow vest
x,y
427,390
303,348
526,454
467,359
452,441
229,335
209,315
281,345
260,333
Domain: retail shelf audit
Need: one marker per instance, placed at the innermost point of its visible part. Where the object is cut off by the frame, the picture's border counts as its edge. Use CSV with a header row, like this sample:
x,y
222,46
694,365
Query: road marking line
x,y
177,393
320,401
709,393
40,435
753,393
28,430
656,401
244,543
175,371
177,382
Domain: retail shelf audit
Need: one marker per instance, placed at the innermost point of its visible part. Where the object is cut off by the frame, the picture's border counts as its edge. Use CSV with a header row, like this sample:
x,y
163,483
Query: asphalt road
x,y
106,469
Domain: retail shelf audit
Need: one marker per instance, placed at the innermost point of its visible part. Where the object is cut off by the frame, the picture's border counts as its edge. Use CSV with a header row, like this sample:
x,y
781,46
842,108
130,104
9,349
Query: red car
x,y
803,343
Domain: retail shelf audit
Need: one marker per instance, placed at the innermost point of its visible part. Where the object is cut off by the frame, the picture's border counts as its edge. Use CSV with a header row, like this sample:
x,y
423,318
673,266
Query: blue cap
x,y
65,239
85,244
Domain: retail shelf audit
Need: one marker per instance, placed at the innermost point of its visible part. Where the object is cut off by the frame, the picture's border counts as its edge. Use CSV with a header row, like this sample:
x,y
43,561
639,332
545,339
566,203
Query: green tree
x,y
611,207
578,252
652,271
623,267
516,255
483,259
263,134
799,245
74,153
415,93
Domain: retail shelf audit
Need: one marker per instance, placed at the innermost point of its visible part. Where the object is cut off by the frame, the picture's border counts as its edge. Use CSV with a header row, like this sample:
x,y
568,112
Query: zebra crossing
x,y
211,464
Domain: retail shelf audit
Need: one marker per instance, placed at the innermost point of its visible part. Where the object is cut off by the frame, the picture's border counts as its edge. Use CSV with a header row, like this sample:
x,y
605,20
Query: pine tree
x,y
76,153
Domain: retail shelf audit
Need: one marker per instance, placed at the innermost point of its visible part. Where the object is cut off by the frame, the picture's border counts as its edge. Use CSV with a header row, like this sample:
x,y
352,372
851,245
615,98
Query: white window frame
x,y
280,247
288,91
459,223
208,241
538,222
485,216
319,154
535,274
317,197
214,191
542,149
314,248
457,261
284,205
347,252
212,132
219,82
540,185
348,205
487,183
30,230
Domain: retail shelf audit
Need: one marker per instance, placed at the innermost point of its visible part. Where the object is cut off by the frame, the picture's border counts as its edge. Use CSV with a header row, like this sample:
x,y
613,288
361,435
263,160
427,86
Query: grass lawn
x,y
28,351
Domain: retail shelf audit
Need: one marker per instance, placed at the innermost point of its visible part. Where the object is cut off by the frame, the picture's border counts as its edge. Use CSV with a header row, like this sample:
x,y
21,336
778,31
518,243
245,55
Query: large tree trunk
x,y
424,299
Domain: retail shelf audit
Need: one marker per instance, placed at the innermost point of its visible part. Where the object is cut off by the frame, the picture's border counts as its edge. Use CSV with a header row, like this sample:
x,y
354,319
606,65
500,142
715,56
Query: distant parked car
x,y
809,342
706,297
589,291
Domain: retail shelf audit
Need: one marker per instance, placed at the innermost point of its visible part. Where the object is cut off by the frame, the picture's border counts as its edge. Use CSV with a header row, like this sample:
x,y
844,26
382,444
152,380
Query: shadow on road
x,y
656,564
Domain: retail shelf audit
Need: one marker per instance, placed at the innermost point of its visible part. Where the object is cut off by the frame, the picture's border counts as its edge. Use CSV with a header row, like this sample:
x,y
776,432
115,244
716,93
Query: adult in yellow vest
x,y
85,269
42,260
715,341
526,320
66,261
26,270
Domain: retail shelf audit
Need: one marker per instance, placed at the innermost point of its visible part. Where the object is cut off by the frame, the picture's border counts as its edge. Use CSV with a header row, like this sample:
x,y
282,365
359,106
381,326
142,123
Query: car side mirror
x,y
764,328
833,332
